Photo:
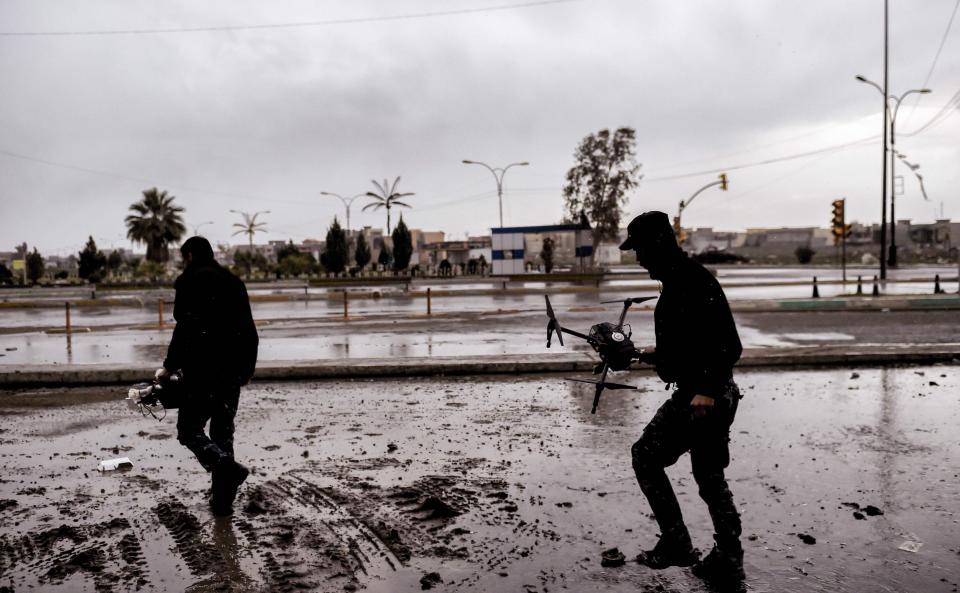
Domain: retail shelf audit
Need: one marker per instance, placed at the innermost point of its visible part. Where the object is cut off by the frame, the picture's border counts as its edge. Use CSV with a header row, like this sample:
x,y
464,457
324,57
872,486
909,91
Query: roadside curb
x,y
569,362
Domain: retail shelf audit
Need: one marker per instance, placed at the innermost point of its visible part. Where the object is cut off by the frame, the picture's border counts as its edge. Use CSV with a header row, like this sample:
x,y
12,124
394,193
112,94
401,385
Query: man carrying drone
x,y
214,346
696,347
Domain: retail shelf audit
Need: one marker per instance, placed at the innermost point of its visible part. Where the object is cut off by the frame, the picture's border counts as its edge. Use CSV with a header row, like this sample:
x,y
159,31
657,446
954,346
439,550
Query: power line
x,y
949,108
762,146
780,159
936,57
152,182
291,25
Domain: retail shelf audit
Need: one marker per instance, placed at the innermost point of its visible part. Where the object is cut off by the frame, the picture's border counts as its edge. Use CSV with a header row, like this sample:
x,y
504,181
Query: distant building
x,y
515,247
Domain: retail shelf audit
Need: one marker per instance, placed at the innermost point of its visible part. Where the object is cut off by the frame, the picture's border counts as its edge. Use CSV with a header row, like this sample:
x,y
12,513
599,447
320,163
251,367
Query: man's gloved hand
x,y
614,347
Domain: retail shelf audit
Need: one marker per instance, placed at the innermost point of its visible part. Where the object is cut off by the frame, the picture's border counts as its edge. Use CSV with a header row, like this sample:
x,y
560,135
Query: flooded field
x,y
844,480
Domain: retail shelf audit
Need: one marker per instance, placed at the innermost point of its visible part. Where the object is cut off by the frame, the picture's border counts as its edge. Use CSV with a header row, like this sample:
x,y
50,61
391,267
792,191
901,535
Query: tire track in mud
x,y
51,556
372,556
200,556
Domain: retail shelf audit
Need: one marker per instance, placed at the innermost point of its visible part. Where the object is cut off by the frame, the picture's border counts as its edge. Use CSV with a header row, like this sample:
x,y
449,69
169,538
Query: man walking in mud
x,y
214,345
696,347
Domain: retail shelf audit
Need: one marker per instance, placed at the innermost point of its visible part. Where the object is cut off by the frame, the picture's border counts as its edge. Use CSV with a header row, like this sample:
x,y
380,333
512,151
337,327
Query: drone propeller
x,y
605,384
634,300
553,325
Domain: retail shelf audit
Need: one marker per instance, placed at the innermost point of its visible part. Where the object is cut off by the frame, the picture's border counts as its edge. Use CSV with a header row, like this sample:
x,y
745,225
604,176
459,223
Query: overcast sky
x,y
267,118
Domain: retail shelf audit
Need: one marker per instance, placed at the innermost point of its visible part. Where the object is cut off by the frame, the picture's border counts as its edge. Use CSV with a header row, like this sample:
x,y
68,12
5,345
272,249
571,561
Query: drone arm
x,y
577,334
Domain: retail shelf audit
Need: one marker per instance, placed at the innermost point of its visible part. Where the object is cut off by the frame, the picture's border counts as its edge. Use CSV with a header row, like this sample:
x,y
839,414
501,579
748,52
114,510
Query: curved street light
x,y
892,115
196,227
498,173
346,203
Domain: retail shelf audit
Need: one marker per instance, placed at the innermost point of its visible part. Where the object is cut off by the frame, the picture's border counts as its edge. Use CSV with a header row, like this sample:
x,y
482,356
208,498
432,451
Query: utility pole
x,y
677,228
886,112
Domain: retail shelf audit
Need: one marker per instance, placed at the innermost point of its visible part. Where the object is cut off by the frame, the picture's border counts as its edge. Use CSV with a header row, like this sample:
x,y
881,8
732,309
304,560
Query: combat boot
x,y
227,478
670,551
722,568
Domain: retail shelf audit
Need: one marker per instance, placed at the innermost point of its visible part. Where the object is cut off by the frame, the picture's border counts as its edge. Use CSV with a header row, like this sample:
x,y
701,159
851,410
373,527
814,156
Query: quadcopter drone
x,y
599,336
157,396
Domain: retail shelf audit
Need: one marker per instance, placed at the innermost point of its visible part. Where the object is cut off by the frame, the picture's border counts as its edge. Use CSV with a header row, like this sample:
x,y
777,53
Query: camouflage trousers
x,y
674,431
217,406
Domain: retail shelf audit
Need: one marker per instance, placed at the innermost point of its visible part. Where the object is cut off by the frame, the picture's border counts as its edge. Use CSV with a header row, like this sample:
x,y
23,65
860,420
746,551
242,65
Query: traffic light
x,y
723,181
838,228
681,236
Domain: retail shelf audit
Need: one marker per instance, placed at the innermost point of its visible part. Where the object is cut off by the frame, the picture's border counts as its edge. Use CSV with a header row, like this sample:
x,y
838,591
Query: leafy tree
x,y
157,223
291,262
151,270
804,254
114,261
248,260
34,266
546,254
386,197
384,258
605,170
92,262
6,276
362,254
445,268
287,250
402,246
296,265
335,254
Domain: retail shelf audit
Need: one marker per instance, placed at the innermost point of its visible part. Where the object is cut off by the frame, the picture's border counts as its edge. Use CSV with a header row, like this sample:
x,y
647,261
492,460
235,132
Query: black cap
x,y
652,230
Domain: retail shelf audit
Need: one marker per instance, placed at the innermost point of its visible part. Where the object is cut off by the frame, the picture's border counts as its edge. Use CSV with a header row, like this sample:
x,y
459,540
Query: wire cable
x,y
780,159
936,57
291,25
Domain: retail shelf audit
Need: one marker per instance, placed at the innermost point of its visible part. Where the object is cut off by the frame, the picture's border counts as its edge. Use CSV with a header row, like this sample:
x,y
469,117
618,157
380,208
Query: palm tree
x,y
387,198
156,222
250,226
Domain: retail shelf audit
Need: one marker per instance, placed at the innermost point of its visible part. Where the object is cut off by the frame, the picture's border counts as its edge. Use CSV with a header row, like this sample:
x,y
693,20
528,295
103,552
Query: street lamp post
x,y
346,203
196,227
498,173
892,116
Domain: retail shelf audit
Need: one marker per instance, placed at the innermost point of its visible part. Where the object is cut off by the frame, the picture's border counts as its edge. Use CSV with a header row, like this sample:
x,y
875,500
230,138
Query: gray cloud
x,y
272,117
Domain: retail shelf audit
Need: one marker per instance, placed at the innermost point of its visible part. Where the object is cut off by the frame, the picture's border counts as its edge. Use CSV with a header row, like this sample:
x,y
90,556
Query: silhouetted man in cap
x,y
215,345
696,347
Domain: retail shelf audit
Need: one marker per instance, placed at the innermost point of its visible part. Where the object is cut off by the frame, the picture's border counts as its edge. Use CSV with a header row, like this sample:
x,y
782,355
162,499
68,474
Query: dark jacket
x,y
697,340
215,339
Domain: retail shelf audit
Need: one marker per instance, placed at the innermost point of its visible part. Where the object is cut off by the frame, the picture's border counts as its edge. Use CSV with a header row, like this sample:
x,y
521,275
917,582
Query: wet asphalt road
x,y
509,331
494,484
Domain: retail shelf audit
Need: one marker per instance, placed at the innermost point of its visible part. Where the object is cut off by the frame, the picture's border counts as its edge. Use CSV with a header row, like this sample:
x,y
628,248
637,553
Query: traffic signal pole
x,y
840,230
723,183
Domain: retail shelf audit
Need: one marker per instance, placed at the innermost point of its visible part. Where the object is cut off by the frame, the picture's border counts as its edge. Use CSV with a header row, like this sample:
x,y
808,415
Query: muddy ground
x,y
481,484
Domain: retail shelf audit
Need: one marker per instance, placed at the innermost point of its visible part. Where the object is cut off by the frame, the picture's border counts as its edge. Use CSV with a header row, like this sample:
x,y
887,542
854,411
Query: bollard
x,y
876,287
859,286
306,292
346,306
936,285
816,292
504,286
160,313
428,301
67,307
93,294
